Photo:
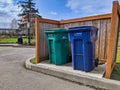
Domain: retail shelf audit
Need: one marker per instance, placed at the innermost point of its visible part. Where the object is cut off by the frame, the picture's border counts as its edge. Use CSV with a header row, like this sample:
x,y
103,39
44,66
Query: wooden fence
x,y
113,39
41,44
107,35
102,22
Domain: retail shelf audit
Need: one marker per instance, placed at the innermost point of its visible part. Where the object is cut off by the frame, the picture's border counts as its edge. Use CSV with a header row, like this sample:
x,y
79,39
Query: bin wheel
x,y
69,58
96,62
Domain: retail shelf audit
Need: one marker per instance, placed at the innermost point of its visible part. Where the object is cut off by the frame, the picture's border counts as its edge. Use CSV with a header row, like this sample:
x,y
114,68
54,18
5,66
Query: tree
x,y
27,13
13,26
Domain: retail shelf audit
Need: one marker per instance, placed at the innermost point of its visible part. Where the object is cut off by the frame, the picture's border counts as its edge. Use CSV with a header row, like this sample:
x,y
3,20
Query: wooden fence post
x,y
112,47
37,35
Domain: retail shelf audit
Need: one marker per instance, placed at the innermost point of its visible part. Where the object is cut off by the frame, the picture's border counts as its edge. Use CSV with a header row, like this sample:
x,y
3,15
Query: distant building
x,y
9,28
8,31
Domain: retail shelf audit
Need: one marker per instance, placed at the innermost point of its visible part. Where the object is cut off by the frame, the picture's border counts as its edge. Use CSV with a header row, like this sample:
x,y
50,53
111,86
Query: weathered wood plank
x,y
97,24
97,17
44,20
101,24
111,55
37,34
43,42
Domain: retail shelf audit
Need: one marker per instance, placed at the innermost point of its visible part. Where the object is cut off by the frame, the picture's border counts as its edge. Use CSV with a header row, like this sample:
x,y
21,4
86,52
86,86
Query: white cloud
x,y
6,1
87,8
8,11
53,13
90,6
73,4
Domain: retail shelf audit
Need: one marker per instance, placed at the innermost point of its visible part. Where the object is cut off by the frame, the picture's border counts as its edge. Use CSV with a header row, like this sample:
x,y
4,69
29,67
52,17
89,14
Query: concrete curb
x,y
28,64
7,45
86,80
16,45
24,46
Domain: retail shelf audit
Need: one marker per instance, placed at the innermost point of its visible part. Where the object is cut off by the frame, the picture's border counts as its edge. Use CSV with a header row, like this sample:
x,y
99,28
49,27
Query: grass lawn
x,y
116,71
14,40
118,55
33,60
8,40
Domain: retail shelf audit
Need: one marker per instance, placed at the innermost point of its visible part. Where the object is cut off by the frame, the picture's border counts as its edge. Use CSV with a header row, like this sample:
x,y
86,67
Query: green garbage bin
x,y
58,45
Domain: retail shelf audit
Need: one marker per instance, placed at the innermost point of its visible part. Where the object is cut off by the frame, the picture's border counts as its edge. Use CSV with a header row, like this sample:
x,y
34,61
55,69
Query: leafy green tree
x,y
27,14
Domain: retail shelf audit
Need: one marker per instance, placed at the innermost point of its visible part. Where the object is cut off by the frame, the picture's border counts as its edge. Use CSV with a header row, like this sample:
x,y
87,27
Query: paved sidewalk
x,y
17,45
13,75
8,44
66,72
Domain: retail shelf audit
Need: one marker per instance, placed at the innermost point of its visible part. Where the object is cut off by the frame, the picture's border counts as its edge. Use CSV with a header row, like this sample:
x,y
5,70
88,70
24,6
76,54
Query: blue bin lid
x,y
83,29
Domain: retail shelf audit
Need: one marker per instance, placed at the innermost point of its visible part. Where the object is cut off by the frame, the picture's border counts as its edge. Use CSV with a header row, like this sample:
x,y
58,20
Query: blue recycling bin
x,y
83,47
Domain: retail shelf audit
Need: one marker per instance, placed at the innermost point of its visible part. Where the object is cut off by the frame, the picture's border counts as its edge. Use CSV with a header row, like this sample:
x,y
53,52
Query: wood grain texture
x,y
112,40
44,20
106,44
103,30
43,42
97,17
37,34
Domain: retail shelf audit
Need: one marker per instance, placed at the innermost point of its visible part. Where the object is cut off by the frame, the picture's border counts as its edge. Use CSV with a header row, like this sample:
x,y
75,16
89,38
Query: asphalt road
x,y
13,75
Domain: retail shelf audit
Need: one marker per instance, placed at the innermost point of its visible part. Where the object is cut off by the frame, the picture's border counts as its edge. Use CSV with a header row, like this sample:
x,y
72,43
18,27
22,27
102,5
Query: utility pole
x,y
28,23
28,27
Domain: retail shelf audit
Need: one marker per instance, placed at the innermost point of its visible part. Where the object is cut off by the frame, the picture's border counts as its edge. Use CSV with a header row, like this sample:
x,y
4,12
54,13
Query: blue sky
x,y
66,9
57,9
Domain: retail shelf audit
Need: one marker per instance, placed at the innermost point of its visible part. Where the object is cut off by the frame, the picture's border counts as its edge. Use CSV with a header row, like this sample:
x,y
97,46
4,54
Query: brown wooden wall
x,y
43,42
106,45
102,22
103,26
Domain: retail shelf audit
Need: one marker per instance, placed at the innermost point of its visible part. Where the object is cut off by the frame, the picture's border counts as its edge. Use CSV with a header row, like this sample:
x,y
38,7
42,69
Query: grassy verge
x,y
8,40
33,60
116,71
118,56
14,40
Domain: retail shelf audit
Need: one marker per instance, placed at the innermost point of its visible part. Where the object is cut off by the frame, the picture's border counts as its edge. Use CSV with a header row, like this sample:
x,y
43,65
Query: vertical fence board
x,y
113,40
37,34
102,25
43,42
106,44
97,24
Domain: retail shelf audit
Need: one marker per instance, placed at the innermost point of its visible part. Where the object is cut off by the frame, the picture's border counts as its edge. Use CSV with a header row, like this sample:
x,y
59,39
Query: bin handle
x,y
76,34
64,37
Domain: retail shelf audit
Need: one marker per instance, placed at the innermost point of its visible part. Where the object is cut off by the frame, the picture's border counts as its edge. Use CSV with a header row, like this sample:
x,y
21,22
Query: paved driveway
x,y
13,75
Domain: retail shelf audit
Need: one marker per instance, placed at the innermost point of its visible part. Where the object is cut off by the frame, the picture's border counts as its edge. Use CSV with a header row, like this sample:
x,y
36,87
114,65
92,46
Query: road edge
x,y
86,80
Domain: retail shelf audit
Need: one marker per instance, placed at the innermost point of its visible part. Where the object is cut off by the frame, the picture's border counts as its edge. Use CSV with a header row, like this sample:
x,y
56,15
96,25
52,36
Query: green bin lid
x,y
55,30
